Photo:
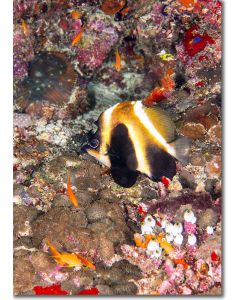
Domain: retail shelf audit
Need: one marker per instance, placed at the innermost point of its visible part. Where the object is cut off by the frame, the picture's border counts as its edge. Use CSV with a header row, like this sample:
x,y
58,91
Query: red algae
x,y
92,291
166,181
54,289
215,257
194,42
160,93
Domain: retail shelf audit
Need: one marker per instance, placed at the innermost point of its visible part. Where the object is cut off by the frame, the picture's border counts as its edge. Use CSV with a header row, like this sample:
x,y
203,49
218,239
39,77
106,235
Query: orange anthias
x,y
25,28
71,195
118,65
75,15
77,38
69,259
65,259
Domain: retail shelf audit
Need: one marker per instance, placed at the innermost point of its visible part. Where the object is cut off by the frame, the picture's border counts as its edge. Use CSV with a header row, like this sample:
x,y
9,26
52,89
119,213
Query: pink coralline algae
x,y
20,7
96,43
22,53
189,227
157,13
168,267
212,12
217,273
165,286
186,290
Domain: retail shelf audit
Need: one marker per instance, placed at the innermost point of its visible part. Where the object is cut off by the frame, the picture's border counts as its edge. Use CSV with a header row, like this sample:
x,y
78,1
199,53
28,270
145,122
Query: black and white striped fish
x,y
132,138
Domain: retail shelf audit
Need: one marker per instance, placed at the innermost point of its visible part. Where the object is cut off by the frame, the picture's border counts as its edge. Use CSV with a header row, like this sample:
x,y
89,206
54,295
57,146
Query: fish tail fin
x,y
86,262
69,180
181,146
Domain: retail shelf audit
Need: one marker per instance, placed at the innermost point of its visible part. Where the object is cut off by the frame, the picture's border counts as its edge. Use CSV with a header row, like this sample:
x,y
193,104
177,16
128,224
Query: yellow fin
x,y
162,122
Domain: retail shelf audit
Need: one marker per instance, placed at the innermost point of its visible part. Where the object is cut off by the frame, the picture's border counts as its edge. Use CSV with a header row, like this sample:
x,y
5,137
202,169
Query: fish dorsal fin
x,y
162,122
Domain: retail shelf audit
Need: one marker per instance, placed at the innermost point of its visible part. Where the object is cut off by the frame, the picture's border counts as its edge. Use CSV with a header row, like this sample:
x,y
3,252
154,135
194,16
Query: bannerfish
x,y
132,138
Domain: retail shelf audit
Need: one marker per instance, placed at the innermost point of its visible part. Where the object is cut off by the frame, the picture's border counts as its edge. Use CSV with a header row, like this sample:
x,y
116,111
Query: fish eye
x,y
94,143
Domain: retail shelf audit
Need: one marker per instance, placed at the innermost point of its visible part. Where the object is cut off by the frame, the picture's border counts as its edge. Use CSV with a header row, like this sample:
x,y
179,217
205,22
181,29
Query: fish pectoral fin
x,y
123,176
182,147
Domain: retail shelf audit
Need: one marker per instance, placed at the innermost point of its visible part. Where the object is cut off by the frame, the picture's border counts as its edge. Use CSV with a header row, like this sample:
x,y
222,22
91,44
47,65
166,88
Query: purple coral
x,y
22,53
98,40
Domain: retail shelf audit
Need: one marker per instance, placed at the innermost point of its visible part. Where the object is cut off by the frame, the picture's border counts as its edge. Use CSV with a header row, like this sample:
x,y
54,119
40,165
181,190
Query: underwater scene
x,y
117,147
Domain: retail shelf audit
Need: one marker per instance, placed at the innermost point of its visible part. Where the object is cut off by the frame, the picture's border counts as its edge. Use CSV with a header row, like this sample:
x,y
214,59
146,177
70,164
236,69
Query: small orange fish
x,y
118,61
71,195
77,38
86,262
75,15
65,259
25,28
